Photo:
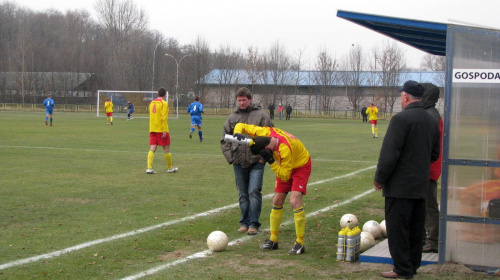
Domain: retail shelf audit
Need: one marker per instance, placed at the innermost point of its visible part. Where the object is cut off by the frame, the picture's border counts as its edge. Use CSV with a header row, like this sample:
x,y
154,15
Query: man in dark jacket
x,y
410,145
271,111
364,114
248,168
429,99
288,111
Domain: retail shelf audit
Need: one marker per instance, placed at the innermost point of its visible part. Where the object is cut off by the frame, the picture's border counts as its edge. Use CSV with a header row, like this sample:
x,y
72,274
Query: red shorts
x,y
155,138
373,122
297,182
109,114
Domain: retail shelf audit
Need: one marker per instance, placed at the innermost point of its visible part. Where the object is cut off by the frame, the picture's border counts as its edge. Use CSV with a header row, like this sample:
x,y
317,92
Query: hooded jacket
x,y
429,99
236,153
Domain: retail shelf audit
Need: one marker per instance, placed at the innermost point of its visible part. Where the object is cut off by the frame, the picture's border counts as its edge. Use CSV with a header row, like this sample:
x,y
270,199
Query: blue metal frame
x,y
444,218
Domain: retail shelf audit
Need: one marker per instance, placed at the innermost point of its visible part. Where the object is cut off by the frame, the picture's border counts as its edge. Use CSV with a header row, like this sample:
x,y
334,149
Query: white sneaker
x,y
150,171
174,169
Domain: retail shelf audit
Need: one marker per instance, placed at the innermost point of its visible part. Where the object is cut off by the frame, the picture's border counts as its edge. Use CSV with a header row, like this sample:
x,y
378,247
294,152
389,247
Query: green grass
x,y
81,181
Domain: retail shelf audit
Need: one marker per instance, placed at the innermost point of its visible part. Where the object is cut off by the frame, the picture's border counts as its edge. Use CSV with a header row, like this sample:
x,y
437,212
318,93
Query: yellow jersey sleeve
x,y
252,130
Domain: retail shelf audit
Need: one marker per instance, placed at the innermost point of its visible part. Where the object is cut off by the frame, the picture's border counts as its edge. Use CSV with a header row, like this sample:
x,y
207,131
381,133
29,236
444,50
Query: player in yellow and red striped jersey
x,y
291,162
372,112
108,105
158,131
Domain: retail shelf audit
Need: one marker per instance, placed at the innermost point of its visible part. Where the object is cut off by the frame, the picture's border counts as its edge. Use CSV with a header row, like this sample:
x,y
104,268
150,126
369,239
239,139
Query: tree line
x,y
119,48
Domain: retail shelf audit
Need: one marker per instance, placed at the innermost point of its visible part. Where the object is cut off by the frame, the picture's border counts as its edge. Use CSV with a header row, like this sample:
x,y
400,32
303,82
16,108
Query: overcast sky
x,y
307,25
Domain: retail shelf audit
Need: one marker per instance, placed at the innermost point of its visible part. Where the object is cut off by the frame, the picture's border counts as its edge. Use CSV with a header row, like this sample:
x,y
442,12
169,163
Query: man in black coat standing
x,y
410,145
271,111
288,111
364,114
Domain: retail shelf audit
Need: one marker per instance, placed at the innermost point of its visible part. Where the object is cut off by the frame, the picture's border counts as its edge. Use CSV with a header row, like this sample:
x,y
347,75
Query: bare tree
x,y
202,64
392,61
227,61
435,63
121,22
278,67
252,66
354,78
326,78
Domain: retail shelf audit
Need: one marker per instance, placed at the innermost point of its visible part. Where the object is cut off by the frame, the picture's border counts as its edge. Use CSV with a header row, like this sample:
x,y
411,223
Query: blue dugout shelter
x,y
470,180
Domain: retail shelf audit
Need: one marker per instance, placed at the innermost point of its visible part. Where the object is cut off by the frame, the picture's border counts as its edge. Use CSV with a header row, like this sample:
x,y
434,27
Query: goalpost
x,y
120,98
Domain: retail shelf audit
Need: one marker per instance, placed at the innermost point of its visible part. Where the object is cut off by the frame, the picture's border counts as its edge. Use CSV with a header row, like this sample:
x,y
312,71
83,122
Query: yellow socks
x,y
168,159
376,131
275,222
299,216
373,129
151,157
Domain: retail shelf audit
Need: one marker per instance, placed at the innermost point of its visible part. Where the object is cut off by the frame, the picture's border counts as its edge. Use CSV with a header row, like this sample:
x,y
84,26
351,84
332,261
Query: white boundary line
x,y
235,242
146,229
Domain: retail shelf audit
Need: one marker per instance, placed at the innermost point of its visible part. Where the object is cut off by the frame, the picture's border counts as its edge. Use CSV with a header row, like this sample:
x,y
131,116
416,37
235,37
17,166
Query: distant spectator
x,y
280,111
271,111
288,111
364,114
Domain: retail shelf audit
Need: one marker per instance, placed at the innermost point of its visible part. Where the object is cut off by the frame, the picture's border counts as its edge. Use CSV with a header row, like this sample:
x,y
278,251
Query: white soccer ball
x,y
383,228
217,241
367,241
373,227
348,220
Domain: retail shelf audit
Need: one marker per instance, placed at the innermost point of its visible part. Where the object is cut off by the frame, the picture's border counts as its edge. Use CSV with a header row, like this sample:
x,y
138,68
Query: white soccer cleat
x,y
174,169
150,171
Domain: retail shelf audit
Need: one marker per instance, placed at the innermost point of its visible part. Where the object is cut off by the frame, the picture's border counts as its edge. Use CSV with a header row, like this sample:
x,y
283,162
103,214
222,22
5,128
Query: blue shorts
x,y
48,111
196,120
130,111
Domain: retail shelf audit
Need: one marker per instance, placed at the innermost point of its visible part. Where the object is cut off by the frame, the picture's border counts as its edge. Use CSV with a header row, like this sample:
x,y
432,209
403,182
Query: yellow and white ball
x,y
348,220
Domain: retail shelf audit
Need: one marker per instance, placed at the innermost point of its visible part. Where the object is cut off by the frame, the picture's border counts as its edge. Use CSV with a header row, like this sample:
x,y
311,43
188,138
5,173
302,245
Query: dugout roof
x,y
426,36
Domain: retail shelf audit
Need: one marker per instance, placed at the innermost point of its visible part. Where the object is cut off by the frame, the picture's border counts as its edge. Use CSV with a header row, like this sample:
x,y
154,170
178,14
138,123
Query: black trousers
x,y
405,221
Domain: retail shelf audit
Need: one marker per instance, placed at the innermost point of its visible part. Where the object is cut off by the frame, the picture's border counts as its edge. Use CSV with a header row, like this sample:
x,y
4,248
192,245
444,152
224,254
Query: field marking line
x,y
238,241
146,229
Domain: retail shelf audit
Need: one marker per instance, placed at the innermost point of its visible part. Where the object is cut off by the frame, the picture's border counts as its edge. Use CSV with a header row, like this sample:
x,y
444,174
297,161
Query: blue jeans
x,y
249,185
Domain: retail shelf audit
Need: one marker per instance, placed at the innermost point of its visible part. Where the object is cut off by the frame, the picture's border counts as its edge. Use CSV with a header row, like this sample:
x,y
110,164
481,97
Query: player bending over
x,y
291,163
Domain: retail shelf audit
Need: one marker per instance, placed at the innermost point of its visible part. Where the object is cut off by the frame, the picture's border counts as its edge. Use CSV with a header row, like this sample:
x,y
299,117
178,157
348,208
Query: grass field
x,y
75,201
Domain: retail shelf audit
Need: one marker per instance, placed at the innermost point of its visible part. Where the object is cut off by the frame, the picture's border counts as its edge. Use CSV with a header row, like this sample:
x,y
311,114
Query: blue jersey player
x,y
130,110
195,109
49,108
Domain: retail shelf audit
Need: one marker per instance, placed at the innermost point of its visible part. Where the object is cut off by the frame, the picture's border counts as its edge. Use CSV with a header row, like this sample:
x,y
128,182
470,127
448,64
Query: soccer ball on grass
x,y
217,241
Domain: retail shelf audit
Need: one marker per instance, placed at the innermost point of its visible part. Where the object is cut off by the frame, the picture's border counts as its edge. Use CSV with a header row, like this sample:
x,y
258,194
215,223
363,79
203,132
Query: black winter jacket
x,y
410,145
